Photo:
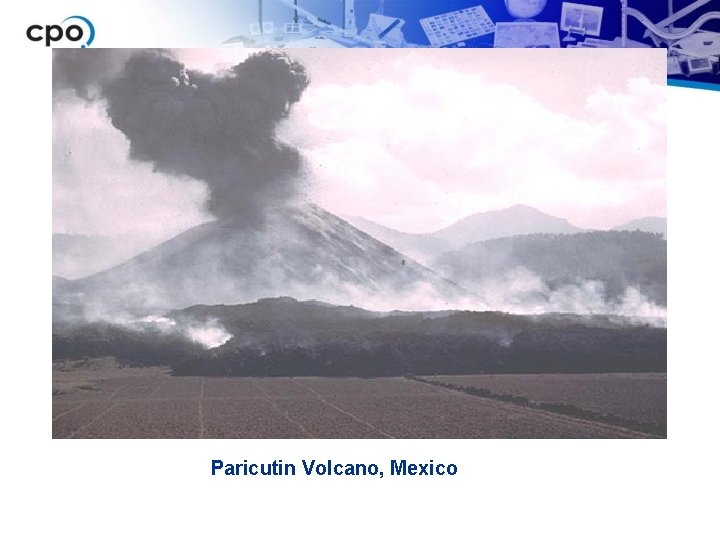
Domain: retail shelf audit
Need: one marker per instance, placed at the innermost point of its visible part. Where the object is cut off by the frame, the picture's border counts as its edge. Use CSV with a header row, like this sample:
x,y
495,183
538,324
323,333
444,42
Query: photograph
x,y
520,35
581,17
346,244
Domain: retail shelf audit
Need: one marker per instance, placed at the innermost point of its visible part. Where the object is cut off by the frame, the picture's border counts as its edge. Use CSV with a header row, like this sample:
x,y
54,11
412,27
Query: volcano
x,y
301,251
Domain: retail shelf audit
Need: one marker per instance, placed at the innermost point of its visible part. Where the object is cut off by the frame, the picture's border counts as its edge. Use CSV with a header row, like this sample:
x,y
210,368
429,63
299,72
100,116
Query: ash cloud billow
x,y
220,129
84,72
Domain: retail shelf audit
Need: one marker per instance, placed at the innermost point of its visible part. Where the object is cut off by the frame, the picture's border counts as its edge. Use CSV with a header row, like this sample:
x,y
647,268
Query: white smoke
x,y
160,322
518,291
210,335
521,291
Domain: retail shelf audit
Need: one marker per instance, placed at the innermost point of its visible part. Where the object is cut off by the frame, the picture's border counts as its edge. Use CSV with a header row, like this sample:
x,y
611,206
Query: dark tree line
x,y
588,350
283,337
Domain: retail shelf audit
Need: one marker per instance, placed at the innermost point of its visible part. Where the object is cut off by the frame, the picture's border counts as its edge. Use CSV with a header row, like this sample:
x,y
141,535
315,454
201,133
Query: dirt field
x,y
99,400
635,396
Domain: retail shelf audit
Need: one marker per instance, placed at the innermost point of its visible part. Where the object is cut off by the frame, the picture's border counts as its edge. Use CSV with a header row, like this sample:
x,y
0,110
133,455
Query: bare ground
x,y
98,399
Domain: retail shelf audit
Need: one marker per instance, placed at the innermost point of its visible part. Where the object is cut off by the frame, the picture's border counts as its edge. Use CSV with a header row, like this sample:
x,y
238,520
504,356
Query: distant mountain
x,y
513,221
516,220
539,268
78,255
301,251
647,224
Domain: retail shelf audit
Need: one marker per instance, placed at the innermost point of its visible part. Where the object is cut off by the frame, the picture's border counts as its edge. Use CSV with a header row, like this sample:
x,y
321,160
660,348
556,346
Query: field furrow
x,y
152,404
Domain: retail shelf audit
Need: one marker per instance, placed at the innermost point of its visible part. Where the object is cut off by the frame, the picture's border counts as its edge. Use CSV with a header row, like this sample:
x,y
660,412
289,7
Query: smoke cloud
x,y
523,292
210,333
220,129
84,71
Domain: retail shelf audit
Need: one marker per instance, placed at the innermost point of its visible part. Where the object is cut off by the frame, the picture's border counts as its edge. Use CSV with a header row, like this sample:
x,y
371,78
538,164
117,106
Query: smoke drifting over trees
x,y
216,128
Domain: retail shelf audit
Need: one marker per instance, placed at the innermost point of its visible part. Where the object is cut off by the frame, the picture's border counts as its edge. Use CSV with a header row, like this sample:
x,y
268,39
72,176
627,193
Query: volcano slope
x,y
301,251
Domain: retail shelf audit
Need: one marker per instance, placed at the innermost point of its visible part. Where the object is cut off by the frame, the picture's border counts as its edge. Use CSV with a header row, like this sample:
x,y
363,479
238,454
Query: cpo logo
x,y
80,30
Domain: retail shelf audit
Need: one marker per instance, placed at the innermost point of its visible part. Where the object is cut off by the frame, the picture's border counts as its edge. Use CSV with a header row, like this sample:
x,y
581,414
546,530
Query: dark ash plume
x,y
83,71
216,128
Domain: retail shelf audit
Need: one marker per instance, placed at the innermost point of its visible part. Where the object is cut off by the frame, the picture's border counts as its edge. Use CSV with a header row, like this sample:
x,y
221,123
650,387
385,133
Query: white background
x,y
505,489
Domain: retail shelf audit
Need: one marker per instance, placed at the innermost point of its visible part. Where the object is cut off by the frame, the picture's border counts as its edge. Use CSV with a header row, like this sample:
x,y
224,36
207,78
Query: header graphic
x,y
84,33
688,29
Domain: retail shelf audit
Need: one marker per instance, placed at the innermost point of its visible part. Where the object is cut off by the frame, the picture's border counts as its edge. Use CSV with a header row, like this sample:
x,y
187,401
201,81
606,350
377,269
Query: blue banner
x,y
688,29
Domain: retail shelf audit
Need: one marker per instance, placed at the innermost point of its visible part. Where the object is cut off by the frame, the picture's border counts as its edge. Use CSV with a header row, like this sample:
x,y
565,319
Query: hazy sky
x,y
414,139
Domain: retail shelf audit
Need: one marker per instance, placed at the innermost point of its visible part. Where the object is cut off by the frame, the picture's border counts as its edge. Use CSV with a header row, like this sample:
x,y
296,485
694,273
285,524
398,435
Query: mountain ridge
x,y
510,221
647,224
587,268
